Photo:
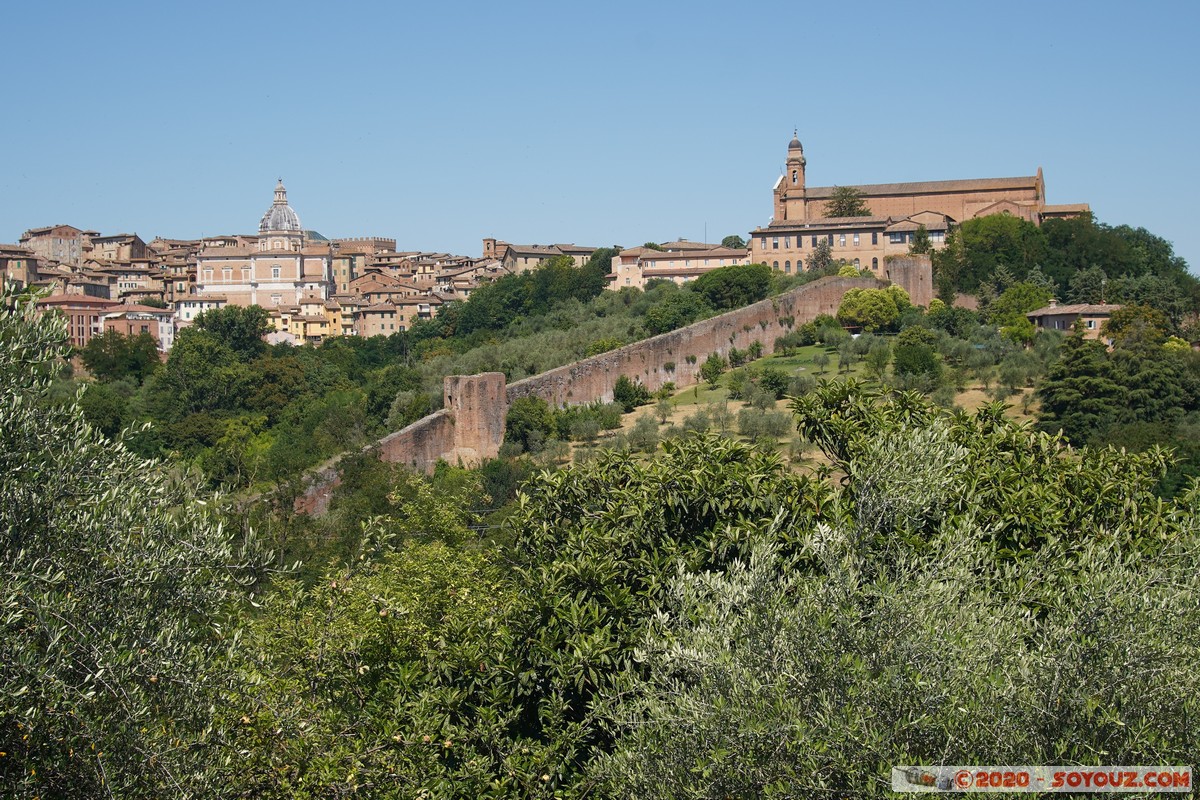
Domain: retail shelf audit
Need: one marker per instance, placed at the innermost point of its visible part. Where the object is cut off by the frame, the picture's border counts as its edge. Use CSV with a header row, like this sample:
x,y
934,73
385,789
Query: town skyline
x,y
612,127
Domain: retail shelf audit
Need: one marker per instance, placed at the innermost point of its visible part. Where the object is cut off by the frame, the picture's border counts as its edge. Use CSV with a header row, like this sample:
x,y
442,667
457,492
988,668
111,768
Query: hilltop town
x,y
298,516
315,288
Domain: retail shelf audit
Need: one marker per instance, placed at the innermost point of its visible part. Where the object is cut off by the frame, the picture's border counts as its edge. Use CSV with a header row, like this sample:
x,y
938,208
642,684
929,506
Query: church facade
x,y
280,266
897,210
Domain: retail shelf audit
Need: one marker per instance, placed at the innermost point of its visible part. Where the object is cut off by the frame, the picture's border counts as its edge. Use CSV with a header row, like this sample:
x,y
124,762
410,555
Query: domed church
x,y
281,266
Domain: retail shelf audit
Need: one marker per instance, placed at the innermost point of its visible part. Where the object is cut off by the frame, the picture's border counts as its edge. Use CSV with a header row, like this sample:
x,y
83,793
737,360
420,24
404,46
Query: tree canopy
x,y
112,356
117,587
873,309
735,286
847,201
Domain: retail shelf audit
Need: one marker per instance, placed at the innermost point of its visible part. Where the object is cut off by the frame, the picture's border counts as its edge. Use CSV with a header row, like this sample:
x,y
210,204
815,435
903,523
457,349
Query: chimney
x,y
1053,302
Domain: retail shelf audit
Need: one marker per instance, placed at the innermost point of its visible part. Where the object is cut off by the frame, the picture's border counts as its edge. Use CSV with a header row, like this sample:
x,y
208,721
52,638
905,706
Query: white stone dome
x,y
280,216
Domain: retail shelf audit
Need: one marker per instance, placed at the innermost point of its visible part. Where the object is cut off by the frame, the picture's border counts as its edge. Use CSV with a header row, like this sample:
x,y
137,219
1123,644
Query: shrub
x,y
630,394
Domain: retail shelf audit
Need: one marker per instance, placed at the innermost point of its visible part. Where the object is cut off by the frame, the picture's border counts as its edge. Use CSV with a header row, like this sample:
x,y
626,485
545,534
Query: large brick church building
x,y
896,211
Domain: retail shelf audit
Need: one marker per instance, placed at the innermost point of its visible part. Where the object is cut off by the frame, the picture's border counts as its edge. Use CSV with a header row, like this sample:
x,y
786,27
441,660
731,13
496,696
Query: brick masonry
x,y
470,429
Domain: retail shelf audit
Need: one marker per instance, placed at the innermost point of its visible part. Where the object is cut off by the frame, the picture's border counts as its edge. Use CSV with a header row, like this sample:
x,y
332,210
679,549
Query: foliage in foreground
x,y
907,630
703,622
115,588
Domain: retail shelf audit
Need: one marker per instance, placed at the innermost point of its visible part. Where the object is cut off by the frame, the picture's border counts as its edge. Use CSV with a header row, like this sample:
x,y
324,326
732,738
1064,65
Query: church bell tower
x,y
789,191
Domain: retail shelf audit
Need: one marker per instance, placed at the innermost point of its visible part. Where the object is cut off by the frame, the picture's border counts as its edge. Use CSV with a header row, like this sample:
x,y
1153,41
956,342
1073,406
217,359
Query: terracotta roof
x,y
48,228
684,244
821,223
1078,308
927,187
76,299
236,251
695,269
114,237
909,225
533,250
137,309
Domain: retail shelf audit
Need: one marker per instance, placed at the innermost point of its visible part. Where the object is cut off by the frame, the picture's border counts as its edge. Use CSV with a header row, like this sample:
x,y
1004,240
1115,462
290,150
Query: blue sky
x,y
599,123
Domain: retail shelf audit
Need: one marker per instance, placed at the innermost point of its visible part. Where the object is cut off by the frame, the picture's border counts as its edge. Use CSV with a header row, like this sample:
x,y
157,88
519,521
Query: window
x,y
830,237
874,237
841,240
764,243
775,243
856,240
856,263
227,275
1091,323
787,266
896,238
814,241
795,174
787,243
775,265
875,264
937,236
208,275
275,272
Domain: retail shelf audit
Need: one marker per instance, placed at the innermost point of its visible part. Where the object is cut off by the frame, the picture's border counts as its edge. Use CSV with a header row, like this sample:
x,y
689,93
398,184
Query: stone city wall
x,y
470,428
678,355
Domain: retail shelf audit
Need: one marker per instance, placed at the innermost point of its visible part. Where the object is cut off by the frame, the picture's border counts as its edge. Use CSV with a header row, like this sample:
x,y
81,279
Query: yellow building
x,y
678,262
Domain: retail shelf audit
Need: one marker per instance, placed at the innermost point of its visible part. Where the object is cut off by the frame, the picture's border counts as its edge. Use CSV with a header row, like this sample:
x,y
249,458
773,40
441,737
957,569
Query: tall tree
x,y
240,328
847,201
734,241
1087,286
112,356
921,244
1081,393
821,261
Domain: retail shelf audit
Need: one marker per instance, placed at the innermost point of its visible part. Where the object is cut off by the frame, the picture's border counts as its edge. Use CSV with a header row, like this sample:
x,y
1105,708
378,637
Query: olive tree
x,y
116,587
975,592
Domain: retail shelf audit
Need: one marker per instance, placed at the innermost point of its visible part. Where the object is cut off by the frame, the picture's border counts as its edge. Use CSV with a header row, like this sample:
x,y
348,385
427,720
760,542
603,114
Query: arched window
x,y
775,265
787,266
856,262
875,264
794,174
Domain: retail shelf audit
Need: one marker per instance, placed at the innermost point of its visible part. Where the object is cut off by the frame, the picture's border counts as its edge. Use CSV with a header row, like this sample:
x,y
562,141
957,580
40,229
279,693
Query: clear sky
x,y
597,123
